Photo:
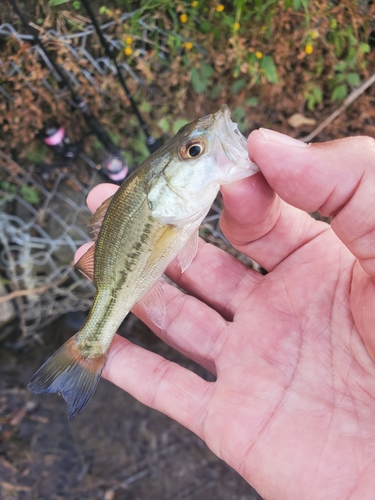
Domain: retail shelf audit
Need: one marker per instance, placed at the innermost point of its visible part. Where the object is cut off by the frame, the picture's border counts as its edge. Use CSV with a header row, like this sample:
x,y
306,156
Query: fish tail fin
x,y
71,375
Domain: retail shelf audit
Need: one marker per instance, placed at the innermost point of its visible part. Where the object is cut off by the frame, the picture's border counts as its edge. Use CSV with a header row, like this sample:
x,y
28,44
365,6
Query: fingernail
x,y
272,135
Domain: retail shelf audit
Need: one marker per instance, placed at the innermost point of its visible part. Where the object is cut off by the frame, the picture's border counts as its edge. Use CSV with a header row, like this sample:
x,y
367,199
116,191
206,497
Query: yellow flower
x,y
220,7
129,40
188,45
194,4
309,49
128,51
236,26
258,54
314,34
184,18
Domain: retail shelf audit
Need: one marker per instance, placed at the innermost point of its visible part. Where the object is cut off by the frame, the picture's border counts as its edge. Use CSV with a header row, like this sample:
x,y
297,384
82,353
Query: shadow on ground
x,y
117,449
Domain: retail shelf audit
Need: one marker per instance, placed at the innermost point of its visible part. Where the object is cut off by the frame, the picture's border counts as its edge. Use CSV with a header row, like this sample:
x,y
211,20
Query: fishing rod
x,y
152,143
113,167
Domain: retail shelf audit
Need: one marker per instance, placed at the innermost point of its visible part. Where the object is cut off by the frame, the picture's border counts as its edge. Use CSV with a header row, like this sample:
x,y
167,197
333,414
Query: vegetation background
x,y
282,64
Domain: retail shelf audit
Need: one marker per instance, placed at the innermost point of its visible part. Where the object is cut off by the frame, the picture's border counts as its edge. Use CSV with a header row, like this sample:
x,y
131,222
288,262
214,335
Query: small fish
x,y
154,216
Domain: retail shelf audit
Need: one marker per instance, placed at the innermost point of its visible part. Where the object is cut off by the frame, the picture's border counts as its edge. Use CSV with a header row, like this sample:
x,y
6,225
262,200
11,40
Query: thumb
x,y
337,178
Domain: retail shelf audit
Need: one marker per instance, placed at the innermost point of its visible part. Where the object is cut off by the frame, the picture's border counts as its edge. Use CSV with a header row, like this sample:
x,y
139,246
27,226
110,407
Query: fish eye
x,y
192,150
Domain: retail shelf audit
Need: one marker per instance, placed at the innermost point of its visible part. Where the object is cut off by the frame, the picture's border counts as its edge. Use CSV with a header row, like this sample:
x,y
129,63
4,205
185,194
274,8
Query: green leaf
x,y
200,77
351,57
341,66
30,194
96,144
297,4
146,107
199,84
339,93
205,27
238,85
310,102
353,79
364,48
8,187
239,115
37,154
54,3
114,137
206,70
172,13
318,94
178,124
252,101
227,21
269,68
339,78
352,39
216,91
140,147
313,96
287,4
164,124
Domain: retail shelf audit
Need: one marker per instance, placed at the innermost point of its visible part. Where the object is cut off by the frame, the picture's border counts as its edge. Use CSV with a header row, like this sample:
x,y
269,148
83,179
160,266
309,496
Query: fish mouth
x,y
231,147
232,141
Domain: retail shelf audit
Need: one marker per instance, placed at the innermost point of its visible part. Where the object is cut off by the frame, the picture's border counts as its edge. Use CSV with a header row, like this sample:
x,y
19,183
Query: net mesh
x,y
41,228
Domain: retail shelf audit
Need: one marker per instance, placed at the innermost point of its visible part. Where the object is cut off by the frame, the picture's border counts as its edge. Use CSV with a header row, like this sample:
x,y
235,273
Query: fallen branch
x,y
348,101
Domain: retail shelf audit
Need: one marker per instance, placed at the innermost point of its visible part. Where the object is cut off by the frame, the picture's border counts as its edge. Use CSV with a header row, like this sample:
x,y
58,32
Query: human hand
x,y
293,405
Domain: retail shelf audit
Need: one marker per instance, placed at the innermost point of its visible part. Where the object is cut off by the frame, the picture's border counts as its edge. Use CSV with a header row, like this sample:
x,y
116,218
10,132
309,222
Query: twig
x,y
32,291
14,487
348,101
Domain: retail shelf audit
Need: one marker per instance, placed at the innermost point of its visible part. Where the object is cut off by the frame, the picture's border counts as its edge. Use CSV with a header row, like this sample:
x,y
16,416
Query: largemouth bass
x,y
154,216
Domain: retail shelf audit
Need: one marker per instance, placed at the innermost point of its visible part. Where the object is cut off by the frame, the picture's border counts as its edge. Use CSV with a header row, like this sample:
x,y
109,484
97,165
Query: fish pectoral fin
x,y
154,304
98,217
164,242
70,374
187,254
86,263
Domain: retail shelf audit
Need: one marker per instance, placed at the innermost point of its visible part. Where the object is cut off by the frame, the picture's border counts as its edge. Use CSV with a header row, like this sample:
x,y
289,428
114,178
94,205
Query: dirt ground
x,y
117,449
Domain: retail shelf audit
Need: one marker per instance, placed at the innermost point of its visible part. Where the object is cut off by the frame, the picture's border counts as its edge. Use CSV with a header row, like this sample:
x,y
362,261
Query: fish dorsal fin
x,y
97,218
86,263
154,304
161,245
187,254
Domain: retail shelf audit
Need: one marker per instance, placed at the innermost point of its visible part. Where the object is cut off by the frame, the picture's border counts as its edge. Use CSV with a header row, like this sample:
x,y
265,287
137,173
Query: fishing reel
x,y
56,139
54,136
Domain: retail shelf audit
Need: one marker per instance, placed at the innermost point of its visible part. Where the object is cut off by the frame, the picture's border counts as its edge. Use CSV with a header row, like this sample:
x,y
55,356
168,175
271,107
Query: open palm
x,y
293,405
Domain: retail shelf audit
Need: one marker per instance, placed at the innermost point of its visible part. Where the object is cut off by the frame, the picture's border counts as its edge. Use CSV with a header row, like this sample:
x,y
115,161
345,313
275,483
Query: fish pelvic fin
x,y
70,374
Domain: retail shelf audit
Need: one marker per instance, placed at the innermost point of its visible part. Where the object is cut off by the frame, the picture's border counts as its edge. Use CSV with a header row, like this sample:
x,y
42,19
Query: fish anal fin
x,y
154,304
98,217
71,375
189,251
86,263
162,244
